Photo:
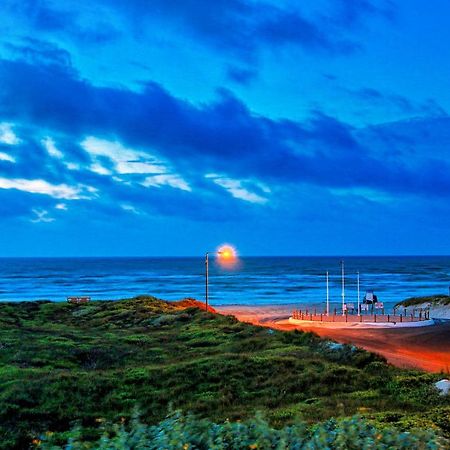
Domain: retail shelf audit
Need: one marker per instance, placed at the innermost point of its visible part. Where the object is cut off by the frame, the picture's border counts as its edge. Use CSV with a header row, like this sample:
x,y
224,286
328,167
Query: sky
x,y
167,127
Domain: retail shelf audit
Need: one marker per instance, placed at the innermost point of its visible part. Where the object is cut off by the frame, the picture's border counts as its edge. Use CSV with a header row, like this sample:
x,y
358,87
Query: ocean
x,y
254,281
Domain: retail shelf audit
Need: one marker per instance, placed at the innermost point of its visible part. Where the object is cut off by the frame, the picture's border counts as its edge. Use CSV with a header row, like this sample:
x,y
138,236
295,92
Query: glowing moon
x,y
226,255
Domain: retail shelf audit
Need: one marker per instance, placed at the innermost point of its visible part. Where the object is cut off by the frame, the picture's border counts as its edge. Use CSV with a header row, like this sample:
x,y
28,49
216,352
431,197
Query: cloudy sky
x,y
166,127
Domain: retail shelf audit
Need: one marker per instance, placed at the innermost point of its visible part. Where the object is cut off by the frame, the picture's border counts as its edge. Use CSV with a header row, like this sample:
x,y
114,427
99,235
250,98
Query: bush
x,y
179,431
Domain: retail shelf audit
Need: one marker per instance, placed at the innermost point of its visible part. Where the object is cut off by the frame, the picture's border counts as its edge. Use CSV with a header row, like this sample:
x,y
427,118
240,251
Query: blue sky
x,y
166,127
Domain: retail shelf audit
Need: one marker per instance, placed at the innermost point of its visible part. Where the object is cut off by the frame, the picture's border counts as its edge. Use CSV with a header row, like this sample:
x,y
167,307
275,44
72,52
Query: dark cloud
x,y
38,52
240,75
41,13
50,18
369,97
243,27
354,12
239,27
290,27
112,195
221,137
429,107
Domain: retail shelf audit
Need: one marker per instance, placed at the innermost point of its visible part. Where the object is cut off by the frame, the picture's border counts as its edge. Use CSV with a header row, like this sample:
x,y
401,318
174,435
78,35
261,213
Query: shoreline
x,y
424,347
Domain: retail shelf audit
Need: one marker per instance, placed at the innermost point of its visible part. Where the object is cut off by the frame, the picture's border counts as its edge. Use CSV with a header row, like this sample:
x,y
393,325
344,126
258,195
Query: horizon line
x,y
201,255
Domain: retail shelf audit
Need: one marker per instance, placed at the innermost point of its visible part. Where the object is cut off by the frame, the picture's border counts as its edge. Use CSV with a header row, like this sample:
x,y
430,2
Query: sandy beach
x,y
426,348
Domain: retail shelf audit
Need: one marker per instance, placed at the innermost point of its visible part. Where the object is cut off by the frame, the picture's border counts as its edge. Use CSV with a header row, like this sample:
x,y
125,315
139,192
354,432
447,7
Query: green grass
x,y
436,300
97,362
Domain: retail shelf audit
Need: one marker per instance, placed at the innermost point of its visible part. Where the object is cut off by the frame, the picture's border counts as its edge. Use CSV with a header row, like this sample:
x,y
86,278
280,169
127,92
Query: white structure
x,y
359,309
443,386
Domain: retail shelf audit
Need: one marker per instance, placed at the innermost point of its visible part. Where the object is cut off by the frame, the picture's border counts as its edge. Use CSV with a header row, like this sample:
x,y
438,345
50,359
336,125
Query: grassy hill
x,y
435,300
98,362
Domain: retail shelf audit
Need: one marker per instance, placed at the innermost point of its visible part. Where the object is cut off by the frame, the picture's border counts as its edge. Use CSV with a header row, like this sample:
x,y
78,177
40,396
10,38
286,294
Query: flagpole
x,y
358,297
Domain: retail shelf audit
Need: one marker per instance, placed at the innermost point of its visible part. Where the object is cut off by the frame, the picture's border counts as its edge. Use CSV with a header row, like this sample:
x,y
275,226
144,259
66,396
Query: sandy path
x,y
426,348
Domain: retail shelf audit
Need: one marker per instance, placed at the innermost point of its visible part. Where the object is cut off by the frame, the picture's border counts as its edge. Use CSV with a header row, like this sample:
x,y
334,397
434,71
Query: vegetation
x,y
184,432
435,300
95,363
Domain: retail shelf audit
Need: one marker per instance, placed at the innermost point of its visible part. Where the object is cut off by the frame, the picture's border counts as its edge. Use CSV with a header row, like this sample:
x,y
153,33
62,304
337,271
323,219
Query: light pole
x,y
207,275
343,287
328,297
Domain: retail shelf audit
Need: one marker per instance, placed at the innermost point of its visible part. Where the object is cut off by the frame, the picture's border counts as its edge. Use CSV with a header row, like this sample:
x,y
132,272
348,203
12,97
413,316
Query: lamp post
x,y
328,297
343,287
207,275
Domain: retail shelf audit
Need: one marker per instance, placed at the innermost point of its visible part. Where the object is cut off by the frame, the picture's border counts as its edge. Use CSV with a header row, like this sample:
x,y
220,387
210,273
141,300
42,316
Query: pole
x,y
343,287
358,295
206,281
328,297
207,275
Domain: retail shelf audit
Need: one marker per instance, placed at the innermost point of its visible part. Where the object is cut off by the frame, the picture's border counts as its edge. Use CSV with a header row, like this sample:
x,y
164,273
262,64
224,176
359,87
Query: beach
x,y
426,348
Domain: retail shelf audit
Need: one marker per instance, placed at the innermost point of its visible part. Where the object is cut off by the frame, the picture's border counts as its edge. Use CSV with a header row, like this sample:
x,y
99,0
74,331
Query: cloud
x,y
368,99
6,157
130,208
151,150
7,135
243,76
61,191
375,97
352,13
256,24
124,160
51,148
42,216
171,180
80,24
37,51
241,29
237,190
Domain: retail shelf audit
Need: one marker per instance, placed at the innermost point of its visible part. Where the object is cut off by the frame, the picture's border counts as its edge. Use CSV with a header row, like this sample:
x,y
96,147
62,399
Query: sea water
x,y
254,281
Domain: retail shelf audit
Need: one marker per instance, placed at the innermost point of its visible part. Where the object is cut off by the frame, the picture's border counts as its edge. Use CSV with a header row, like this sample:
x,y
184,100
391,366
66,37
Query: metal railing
x,y
398,316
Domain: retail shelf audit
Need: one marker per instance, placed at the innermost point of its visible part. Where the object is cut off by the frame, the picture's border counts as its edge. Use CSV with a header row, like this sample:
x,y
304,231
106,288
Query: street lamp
x,y
207,275
343,287
228,255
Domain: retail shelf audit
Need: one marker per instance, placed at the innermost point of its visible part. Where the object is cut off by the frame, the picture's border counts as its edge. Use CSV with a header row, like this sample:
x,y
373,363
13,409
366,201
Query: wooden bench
x,y
78,299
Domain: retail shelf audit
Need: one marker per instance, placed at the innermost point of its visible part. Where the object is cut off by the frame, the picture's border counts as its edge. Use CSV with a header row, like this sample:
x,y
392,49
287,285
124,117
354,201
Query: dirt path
x,y
426,348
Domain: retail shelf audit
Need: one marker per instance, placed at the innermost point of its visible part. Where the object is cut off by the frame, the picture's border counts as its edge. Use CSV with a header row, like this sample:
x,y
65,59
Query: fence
x,y
398,316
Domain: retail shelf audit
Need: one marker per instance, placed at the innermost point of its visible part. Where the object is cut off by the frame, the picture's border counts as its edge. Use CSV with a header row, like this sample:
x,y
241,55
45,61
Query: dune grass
x,y
435,300
97,362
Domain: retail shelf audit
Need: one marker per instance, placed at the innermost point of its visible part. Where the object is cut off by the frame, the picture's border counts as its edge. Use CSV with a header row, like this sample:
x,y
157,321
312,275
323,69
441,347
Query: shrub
x,y
179,431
